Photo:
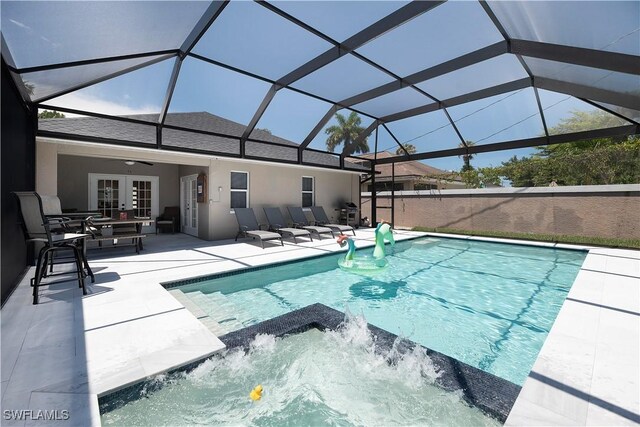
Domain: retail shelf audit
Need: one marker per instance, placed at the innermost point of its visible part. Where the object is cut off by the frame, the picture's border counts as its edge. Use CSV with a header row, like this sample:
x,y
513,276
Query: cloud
x,y
80,101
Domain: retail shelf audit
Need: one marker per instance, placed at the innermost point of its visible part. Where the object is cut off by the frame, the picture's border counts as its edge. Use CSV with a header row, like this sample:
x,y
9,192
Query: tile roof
x,y
411,168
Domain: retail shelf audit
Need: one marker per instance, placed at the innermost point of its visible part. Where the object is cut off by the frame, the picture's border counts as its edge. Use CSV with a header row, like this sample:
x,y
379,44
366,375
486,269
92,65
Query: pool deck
x,y
64,352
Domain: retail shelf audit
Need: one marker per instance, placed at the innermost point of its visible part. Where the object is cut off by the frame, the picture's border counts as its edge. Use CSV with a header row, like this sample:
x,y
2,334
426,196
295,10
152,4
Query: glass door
x,y
109,194
189,205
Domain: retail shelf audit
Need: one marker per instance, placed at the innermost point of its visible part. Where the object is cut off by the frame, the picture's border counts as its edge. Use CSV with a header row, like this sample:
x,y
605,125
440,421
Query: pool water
x,y
486,304
312,378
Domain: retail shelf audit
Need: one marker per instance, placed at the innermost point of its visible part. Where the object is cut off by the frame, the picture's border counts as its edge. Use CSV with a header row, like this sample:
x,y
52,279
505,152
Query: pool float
x,y
256,393
364,264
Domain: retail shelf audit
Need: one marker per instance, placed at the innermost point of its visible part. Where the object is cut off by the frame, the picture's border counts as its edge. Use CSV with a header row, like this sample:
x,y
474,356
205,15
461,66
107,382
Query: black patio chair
x,y
37,228
300,220
321,219
249,227
278,224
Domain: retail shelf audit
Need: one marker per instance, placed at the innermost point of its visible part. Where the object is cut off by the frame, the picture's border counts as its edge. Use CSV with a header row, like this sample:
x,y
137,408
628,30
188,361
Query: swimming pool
x,y
337,377
489,305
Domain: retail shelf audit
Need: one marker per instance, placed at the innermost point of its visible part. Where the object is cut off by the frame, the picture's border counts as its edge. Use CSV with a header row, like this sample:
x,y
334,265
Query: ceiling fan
x,y
130,162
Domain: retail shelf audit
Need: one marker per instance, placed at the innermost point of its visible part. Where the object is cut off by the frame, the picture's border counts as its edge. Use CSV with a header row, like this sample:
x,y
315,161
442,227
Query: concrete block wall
x,y
611,211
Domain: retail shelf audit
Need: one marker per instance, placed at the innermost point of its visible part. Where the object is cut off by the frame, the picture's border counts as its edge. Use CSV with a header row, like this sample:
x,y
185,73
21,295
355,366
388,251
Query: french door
x,y
189,204
110,193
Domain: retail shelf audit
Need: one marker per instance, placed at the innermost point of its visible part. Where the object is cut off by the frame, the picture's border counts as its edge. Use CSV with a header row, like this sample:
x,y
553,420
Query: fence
x,y
611,211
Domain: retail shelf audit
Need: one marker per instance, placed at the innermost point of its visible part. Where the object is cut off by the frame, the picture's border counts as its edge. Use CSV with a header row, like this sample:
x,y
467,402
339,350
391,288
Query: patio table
x,y
138,222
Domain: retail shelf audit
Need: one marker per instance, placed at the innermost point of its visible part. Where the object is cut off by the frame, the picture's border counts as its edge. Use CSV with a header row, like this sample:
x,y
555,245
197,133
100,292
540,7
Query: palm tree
x,y
345,133
411,149
466,158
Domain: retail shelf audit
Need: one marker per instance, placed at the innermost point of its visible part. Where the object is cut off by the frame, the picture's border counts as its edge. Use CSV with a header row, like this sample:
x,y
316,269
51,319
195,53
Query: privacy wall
x,y
596,211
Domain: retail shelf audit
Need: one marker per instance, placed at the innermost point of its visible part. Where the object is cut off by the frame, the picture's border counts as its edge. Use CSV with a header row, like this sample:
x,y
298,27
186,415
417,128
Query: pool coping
x,y
493,395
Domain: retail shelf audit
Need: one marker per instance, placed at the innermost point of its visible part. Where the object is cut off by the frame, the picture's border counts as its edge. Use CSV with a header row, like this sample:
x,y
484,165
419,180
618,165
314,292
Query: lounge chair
x,y
278,224
322,219
300,220
249,227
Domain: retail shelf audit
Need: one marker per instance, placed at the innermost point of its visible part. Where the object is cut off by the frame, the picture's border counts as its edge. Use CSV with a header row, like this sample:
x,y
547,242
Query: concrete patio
x,y
66,351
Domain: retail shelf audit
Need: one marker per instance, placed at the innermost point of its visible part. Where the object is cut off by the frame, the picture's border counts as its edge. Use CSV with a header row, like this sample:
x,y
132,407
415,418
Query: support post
x,y
393,194
373,184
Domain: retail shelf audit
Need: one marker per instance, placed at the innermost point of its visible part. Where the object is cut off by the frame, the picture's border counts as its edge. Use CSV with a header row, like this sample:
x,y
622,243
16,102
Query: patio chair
x,y
321,219
300,220
37,228
170,219
248,227
277,224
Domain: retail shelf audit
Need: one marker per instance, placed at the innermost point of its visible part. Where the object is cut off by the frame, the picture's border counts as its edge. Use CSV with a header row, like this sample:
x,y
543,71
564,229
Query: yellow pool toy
x,y
256,393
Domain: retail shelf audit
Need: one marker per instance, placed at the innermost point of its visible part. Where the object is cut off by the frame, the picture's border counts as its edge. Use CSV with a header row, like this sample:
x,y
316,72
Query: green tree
x,y
411,149
46,114
466,158
345,133
596,161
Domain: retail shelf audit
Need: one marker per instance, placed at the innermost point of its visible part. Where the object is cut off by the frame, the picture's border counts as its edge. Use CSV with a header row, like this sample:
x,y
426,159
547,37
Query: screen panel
x,y
271,152
604,25
41,84
586,76
323,159
565,114
394,102
97,127
252,38
339,19
492,72
52,32
140,92
343,78
291,116
426,132
224,93
445,32
504,117
359,121
199,141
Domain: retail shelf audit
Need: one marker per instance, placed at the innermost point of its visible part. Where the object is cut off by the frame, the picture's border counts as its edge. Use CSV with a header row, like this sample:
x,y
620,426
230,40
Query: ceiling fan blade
x,y
144,163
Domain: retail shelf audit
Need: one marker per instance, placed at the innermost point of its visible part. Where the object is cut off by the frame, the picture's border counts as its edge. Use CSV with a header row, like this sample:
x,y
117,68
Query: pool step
x,y
237,316
217,308
213,326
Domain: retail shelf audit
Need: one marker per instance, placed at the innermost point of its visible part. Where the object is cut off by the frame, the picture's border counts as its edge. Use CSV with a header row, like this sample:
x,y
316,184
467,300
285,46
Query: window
x,y
424,186
239,190
307,191
386,186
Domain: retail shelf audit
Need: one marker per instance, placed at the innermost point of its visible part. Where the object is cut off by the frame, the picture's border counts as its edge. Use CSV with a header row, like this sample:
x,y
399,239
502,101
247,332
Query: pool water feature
x,y
489,305
312,378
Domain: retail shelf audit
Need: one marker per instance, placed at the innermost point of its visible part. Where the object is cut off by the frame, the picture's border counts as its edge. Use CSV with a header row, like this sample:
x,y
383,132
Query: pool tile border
x,y
493,395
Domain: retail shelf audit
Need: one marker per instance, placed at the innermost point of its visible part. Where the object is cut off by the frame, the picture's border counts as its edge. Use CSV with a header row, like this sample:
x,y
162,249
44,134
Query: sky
x,y
250,37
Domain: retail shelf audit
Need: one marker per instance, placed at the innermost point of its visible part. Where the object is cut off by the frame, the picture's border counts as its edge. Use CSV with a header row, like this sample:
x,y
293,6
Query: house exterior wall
x,y
73,179
595,211
275,186
269,184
